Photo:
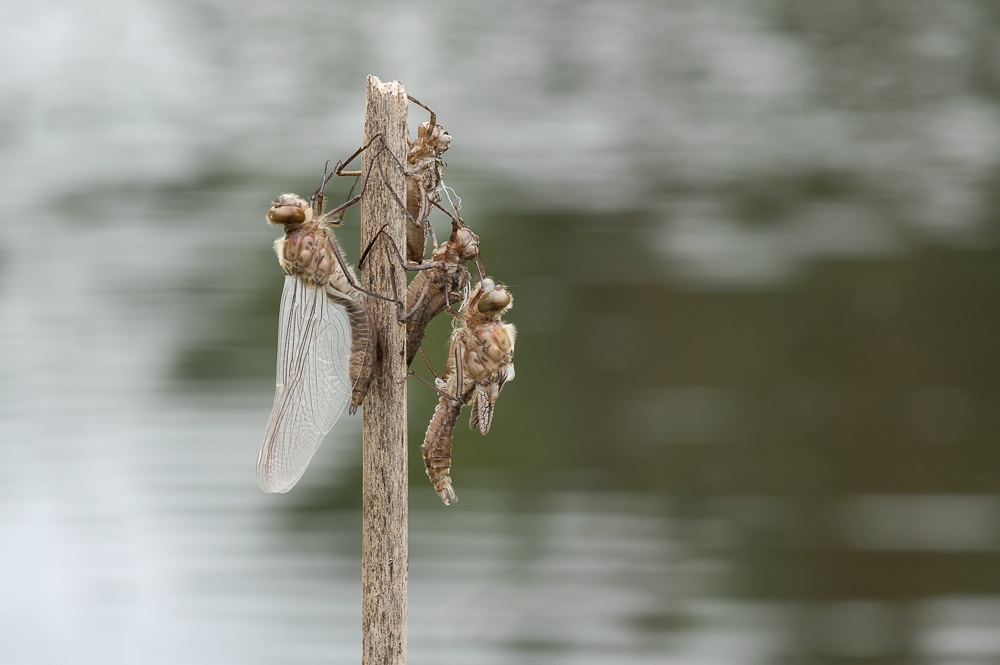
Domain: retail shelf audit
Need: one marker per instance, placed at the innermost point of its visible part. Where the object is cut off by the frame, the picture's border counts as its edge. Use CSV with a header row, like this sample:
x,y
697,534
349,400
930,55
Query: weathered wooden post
x,y
384,556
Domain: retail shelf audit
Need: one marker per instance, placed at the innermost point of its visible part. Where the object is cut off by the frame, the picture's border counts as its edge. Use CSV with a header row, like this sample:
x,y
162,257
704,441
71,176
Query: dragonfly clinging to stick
x,y
326,341
424,172
480,363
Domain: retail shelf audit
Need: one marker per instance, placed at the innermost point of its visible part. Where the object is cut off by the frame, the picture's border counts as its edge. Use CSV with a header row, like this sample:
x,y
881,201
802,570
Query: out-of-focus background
x,y
753,246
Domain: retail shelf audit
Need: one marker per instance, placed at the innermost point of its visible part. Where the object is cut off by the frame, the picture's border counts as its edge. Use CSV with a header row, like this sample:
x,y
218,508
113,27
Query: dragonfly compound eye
x,y
289,209
286,214
494,301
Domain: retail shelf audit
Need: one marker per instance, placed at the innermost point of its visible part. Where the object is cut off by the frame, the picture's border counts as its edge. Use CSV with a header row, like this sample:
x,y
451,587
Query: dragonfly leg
x,y
317,198
438,380
339,169
433,387
425,107
353,282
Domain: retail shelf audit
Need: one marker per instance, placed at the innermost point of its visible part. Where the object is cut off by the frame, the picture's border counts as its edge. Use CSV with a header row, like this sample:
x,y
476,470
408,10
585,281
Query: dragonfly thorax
x,y
307,252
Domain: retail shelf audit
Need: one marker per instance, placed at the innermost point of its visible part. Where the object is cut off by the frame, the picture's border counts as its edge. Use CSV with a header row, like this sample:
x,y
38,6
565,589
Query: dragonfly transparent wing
x,y
313,384
484,400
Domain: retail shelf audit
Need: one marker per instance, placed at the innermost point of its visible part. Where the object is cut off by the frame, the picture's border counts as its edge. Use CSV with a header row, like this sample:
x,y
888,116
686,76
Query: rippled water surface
x,y
753,247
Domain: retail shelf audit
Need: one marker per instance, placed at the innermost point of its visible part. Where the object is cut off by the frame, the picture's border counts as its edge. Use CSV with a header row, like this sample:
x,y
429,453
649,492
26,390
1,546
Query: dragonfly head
x,y
436,138
465,242
492,298
289,209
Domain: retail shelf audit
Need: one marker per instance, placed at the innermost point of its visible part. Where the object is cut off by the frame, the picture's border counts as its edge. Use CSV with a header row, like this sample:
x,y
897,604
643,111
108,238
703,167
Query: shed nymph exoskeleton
x,y
424,172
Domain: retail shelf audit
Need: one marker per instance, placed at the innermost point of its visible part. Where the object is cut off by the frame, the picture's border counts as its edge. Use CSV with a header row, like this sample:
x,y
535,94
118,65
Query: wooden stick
x,y
384,557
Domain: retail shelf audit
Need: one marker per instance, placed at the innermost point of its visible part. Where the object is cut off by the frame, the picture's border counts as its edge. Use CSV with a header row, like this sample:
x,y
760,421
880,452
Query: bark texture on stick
x,y
384,554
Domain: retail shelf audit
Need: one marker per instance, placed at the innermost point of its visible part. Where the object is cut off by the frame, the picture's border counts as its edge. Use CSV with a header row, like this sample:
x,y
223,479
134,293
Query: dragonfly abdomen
x,y
437,447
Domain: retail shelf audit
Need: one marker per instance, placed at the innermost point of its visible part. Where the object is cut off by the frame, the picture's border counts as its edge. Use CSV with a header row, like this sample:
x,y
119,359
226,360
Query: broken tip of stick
x,y
388,88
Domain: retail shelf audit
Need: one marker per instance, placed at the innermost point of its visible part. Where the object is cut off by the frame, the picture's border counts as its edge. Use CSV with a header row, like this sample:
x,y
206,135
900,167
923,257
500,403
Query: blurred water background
x,y
753,246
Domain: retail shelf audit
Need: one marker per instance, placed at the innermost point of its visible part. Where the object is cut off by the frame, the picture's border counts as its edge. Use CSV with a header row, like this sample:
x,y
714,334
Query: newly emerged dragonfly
x,y
480,363
424,171
326,341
